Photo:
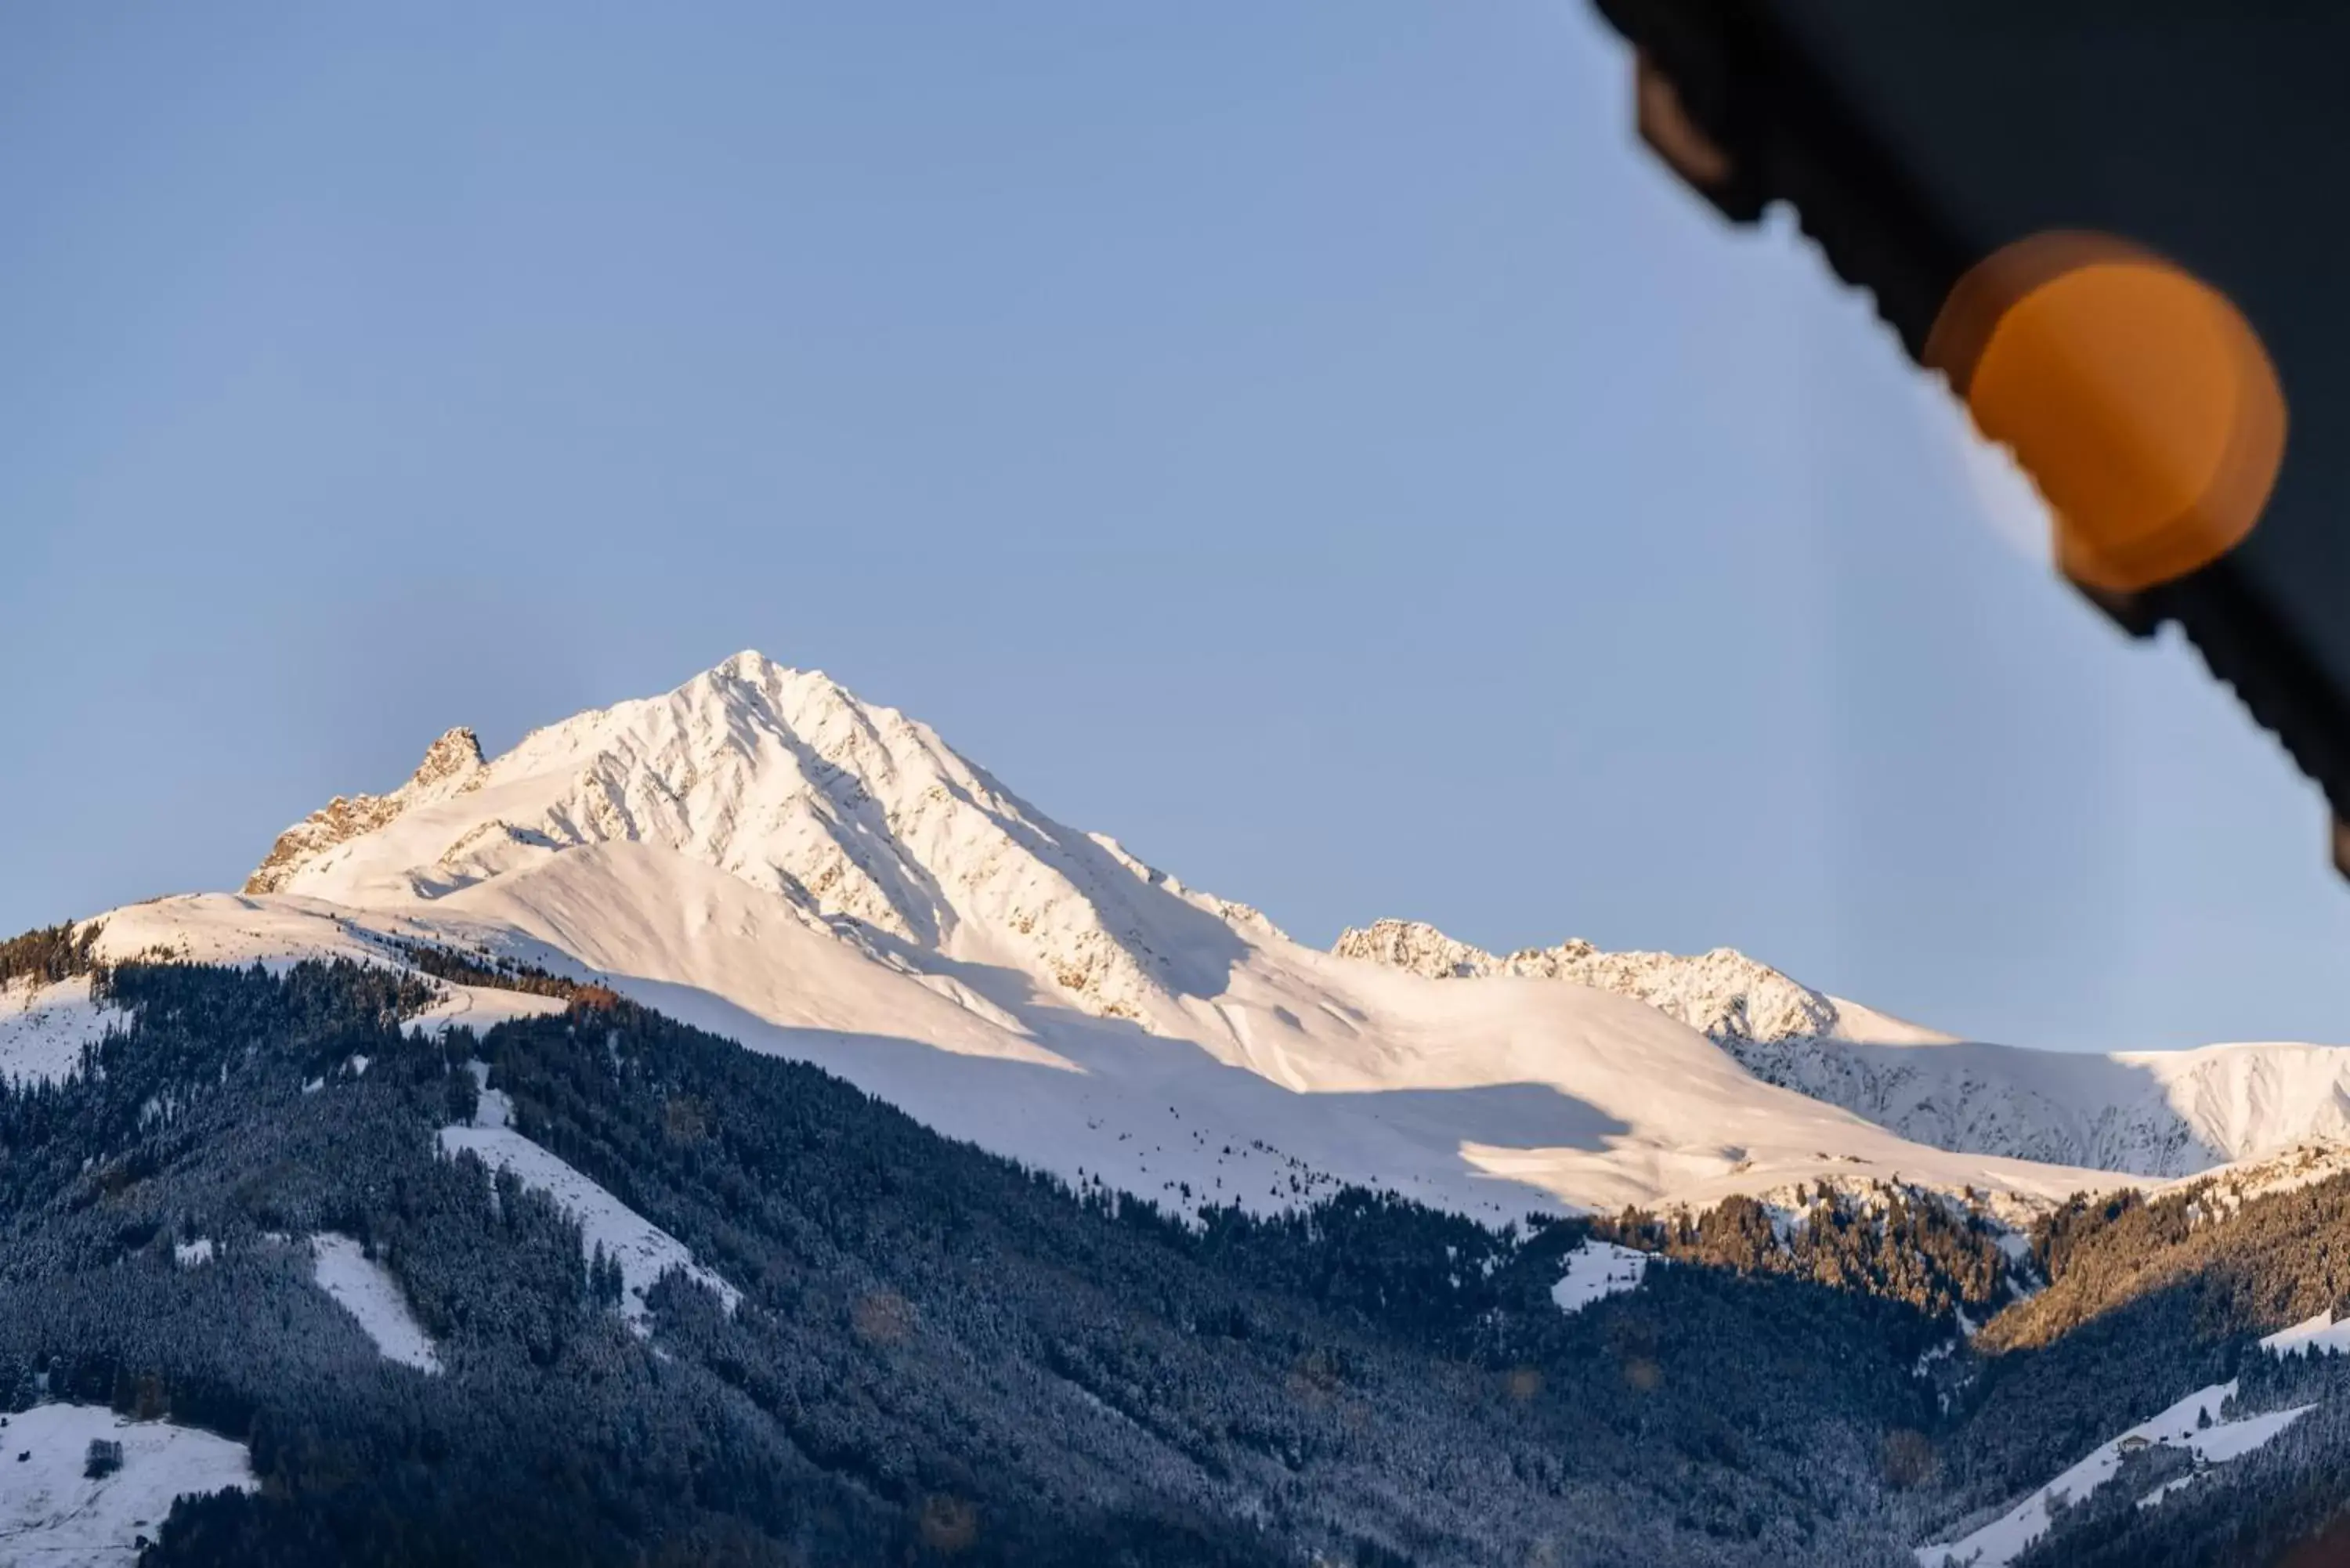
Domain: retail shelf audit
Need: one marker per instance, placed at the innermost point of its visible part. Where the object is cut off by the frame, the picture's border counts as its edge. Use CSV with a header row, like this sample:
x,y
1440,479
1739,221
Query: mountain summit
x,y
859,819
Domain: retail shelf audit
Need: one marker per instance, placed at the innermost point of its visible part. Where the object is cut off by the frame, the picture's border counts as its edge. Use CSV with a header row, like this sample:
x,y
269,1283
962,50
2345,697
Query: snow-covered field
x,y
43,1028
645,1251
2004,1539
53,1516
1597,1270
366,1290
2319,1335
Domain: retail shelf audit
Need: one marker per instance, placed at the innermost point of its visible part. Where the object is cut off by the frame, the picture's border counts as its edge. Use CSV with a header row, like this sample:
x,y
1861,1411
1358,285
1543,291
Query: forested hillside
x,y
2187,1279
936,1355
49,953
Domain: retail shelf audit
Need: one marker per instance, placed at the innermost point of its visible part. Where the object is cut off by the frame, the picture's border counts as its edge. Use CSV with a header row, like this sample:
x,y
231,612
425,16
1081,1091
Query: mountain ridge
x,y
1723,994
2162,1113
760,852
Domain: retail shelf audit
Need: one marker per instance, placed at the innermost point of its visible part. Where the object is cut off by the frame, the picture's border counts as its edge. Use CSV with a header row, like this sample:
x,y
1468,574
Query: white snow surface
x,y
479,1008
2159,1113
1723,994
2319,1335
366,1290
2226,1189
52,1516
645,1251
2005,1538
760,853
2175,1484
43,1028
451,765
193,1254
1597,1270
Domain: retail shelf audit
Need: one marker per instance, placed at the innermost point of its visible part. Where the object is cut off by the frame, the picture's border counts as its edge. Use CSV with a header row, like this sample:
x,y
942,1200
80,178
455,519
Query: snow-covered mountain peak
x,y
760,851
1723,994
861,819
455,755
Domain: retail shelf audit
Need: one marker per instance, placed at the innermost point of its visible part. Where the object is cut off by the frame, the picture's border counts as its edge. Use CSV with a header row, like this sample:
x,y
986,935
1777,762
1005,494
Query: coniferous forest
x,y
938,1356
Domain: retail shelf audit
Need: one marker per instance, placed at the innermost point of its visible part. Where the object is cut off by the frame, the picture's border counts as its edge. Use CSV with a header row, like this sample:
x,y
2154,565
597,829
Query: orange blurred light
x,y
2137,396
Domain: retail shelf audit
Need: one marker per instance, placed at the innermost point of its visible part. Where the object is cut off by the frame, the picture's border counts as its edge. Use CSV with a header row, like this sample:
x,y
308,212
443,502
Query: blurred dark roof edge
x,y
1745,87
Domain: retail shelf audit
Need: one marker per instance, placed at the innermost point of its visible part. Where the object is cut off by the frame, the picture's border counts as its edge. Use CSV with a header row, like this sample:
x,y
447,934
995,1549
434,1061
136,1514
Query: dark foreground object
x,y
1916,140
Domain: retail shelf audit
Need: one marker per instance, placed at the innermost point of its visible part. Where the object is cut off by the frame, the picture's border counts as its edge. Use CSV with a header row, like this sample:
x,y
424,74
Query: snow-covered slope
x,y
1597,1270
2316,1335
2150,1113
1305,1072
2158,1113
367,1290
43,1028
842,812
606,1226
762,853
2191,1425
451,765
55,1515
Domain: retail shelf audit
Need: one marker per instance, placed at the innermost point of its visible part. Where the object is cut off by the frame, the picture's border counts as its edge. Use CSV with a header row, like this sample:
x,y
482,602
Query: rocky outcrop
x,y
1723,994
451,765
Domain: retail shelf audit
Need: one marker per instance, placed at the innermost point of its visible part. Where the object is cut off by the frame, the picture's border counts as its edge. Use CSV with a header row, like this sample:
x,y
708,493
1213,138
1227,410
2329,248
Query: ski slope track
x,y
760,853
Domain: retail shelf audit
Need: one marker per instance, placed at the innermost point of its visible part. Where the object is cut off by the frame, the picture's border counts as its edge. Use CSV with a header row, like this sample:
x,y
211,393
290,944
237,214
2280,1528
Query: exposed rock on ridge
x,y
451,765
1723,994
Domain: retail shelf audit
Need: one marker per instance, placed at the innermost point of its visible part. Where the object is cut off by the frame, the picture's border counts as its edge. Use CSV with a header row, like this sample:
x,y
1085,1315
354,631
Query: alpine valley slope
x,y
760,853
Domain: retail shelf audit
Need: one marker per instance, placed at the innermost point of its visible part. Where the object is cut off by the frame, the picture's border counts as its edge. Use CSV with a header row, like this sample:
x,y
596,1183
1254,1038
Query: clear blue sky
x,y
1310,441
